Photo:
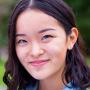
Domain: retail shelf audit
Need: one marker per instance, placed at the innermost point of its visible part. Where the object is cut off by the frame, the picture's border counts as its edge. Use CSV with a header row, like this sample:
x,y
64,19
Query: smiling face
x,y
41,44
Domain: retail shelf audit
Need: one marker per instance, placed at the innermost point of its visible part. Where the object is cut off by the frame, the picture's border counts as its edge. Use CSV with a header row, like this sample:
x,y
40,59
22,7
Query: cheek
x,y
57,50
21,53
59,47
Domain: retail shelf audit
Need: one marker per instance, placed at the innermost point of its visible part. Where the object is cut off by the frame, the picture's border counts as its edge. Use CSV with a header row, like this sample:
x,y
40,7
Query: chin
x,y
39,77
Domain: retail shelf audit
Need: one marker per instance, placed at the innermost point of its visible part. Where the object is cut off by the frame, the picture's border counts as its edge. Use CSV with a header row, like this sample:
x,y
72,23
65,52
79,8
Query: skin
x,y
41,37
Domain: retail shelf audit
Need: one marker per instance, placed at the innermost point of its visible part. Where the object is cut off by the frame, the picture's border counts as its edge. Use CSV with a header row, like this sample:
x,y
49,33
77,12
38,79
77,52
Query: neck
x,y
52,83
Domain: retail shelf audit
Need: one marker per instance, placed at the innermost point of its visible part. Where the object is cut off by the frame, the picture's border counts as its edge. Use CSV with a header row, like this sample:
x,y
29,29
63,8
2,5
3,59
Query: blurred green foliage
x,y
6,7
3,31
1,72
80,7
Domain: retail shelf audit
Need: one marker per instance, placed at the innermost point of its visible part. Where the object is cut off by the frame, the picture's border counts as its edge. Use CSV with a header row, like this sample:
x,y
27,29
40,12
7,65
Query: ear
x,y
72,38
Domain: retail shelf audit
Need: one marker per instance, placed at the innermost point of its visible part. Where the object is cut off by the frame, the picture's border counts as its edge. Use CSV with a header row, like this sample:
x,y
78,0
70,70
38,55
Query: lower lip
x,y
39,63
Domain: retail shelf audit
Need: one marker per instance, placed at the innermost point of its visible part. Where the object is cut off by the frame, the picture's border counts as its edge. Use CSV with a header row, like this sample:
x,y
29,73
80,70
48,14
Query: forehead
x,y
35,13
35,20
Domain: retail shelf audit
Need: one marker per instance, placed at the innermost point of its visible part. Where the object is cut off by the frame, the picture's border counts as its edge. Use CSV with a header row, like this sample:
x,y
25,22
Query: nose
x,y
36,50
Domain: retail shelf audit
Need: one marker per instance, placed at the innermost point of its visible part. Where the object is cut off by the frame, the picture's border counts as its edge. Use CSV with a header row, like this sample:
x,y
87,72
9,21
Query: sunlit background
x,y
82,12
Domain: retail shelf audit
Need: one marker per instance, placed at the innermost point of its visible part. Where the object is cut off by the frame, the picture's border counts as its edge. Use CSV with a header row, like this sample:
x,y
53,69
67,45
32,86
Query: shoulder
x,y
71,87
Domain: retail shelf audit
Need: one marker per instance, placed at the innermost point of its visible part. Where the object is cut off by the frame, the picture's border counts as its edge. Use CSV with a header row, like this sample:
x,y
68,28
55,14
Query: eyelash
x,y
21,41
47,36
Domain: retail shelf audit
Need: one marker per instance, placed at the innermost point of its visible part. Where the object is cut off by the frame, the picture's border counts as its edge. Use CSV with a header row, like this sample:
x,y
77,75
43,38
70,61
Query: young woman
x,y
44,48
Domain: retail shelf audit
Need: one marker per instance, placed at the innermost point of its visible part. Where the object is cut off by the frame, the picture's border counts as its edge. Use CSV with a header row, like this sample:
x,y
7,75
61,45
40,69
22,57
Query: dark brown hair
x,y
76,71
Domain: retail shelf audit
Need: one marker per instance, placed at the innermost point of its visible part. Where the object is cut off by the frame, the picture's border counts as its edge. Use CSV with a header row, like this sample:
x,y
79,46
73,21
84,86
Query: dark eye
x,y
47,36
21,42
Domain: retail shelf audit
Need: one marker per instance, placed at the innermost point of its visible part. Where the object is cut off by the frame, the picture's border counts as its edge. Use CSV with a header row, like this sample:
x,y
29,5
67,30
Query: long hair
x,y
75,71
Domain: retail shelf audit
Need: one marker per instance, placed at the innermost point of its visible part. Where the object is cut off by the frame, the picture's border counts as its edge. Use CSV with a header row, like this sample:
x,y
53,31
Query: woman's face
x,y
41,44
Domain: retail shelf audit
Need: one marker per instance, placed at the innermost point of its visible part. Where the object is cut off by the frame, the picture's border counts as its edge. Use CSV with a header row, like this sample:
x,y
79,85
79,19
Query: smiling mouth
x,y
37,63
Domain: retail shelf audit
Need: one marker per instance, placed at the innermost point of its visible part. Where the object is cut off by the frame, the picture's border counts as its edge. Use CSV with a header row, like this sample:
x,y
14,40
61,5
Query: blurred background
x,y
82,12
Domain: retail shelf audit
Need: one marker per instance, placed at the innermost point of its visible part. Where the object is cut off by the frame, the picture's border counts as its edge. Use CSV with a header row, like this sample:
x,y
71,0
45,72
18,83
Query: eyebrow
x,y
45,30
41,31
20,35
